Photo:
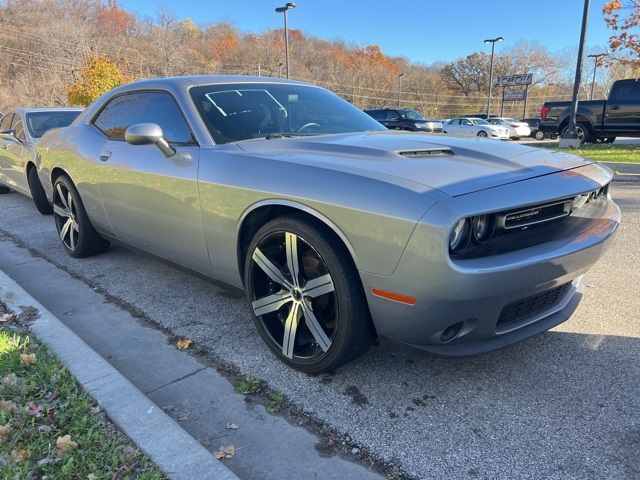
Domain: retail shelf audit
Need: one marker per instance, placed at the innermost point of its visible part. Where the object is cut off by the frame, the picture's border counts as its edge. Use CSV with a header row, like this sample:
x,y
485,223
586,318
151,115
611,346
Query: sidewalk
x,y
136,375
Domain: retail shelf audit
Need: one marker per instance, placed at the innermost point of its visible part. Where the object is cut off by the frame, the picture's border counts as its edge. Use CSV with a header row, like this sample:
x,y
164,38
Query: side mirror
x,y
11,136
148,134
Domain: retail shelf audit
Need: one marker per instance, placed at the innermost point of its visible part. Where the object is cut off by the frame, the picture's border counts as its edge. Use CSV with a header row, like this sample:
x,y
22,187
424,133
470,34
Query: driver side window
x,y
144,107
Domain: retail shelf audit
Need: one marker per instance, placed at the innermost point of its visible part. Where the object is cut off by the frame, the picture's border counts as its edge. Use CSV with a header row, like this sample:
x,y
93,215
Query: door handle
x,y
104,156
615,107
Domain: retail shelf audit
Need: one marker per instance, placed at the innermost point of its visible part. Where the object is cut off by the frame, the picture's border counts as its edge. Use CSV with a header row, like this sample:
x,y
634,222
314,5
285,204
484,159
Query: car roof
x,y
47,109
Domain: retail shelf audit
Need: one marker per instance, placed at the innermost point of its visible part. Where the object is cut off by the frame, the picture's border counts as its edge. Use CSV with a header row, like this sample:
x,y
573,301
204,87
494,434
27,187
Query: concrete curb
x,y
178,455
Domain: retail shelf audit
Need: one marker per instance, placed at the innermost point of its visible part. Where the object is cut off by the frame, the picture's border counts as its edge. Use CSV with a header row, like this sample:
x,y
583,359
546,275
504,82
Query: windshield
x,y
235,112
412,114
40,122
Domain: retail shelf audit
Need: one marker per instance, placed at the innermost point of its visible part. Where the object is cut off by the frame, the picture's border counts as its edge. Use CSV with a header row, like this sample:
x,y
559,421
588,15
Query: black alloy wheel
x,y
78,236
307,301
583,132
37,193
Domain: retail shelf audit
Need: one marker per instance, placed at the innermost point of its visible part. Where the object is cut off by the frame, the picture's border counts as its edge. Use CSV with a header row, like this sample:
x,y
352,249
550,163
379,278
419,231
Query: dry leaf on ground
x,y
20,456
225,452
184,343
5,430
7,406
28,359
65,443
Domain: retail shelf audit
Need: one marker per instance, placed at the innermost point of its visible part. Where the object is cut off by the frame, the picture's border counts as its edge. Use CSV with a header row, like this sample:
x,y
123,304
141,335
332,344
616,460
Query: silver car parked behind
x,y
20,130
337,229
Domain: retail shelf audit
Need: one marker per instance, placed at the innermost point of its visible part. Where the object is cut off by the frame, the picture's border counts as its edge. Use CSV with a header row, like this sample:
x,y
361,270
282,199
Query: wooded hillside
x,y
44,44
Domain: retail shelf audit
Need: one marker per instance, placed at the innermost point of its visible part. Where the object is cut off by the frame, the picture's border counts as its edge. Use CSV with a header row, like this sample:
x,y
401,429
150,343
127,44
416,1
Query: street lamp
x,y
399,87
286,30
548,87
492,41
595,66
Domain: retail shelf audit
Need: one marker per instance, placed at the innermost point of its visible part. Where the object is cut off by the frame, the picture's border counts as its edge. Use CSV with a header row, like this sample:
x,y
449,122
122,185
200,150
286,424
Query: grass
x,y
600,152
50,427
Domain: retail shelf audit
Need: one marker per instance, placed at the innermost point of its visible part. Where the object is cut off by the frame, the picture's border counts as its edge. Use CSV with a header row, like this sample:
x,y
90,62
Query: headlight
x,y
460,236
483,226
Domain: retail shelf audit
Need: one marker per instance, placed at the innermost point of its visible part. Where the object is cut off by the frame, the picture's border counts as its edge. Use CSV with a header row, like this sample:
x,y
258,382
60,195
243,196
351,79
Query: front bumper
x,y
475,305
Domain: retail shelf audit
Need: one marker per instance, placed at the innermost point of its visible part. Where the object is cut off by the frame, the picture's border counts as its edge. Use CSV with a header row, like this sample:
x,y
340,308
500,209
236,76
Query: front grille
x,y
524,309
538,214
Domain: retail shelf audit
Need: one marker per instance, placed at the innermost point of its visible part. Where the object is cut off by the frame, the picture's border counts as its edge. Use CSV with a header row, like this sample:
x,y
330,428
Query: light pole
x,y
353,88
492,41
286,30
548,87
399,87
595,67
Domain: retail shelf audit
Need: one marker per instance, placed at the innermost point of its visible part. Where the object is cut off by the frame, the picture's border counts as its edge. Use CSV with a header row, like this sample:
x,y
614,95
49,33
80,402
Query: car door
x,y
622,111
15,151
152,201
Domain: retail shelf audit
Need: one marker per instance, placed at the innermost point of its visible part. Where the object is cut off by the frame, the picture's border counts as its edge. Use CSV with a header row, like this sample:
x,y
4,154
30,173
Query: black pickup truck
x,y
598,120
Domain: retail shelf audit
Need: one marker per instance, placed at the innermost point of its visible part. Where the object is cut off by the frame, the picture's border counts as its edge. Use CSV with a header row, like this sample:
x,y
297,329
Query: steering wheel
x,y
307,125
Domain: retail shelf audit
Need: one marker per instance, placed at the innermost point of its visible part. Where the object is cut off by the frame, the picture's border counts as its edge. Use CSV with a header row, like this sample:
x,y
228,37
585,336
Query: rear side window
x,y
6,122
143,107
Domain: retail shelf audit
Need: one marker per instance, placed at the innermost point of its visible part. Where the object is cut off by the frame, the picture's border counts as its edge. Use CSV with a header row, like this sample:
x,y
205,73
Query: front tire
x,y
539,135
482,134
306,297
37,193
78,236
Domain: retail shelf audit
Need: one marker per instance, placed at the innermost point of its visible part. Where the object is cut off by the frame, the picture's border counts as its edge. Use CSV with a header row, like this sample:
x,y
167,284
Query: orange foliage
x,y
623,18
113,20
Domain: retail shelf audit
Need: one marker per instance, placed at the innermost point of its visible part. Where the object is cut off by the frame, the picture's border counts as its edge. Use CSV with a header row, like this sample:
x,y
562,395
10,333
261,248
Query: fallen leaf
x,y
35,409
20,456
231,426
5,430
7,406
29,359
184,343
7,317
65,443
225,452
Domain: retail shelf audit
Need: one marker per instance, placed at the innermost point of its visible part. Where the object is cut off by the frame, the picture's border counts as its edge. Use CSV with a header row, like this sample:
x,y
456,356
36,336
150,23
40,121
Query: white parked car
x,y
475,127
517,128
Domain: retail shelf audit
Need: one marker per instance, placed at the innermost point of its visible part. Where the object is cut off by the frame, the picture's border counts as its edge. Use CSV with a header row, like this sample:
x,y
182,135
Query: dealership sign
x,y
514,80
513,95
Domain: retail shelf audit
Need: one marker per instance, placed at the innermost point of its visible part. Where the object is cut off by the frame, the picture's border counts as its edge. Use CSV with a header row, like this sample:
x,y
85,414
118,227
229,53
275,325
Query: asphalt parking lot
x,y
561,405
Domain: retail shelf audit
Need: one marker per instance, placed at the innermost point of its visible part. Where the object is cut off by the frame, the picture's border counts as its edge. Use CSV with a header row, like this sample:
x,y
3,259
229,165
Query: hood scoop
x,y
434,152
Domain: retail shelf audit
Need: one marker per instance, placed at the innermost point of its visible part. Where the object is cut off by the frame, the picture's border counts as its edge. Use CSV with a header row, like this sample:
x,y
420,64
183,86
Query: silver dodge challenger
x,y
339,231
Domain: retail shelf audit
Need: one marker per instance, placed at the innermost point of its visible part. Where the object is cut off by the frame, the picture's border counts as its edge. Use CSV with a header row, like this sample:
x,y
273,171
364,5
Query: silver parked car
x,y
475,127
20,130
338,230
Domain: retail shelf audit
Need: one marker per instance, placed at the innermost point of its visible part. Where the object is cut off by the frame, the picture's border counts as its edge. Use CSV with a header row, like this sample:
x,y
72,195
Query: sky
x,y
424,31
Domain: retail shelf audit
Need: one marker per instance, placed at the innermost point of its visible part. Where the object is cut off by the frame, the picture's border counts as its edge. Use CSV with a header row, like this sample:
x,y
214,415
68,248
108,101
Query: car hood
x,y
455,166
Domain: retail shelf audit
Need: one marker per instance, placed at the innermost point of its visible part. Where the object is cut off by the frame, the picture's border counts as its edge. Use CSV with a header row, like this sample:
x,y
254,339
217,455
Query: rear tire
x,y
78,236
4,190
37,193
583,131
609,139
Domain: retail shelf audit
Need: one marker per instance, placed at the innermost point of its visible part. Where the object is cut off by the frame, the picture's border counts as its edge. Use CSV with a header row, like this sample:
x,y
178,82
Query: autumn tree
x,y
623,17
98,75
